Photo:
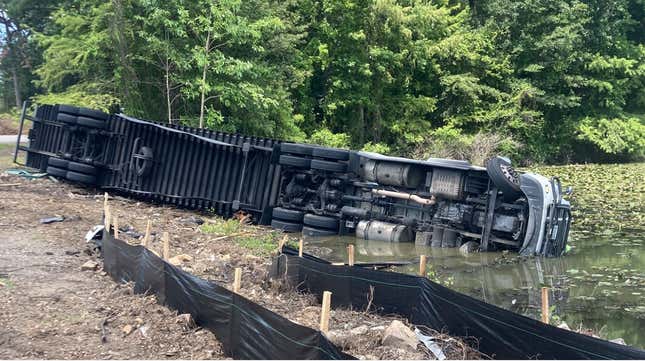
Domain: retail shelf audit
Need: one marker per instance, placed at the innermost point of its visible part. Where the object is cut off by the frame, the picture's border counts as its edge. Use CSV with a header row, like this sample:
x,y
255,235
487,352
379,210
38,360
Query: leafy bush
x,y
615,136
327,138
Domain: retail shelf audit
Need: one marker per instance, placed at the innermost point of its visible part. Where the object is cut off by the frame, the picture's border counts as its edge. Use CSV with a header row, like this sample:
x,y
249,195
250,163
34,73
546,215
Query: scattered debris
x,y
144,330
53,219
180,259
619,341
72,253
192,219
94,233
399,335
89,266
564,326
24,173
430,344
186,320
127,329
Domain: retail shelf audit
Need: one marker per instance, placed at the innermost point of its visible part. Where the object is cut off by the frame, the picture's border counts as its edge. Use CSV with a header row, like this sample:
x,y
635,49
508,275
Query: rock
x,y
360,330
378,328
138,321
619,341
564,326
399,335
186,320
469,247
89,266
180,259
127,329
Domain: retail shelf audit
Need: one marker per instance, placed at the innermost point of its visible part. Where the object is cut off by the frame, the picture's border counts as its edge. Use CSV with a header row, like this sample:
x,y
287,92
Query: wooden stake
x,y
115,223
422,265
237,281
350,254
545,305
105,200
301,245
107,221
324,315
146,237
166,245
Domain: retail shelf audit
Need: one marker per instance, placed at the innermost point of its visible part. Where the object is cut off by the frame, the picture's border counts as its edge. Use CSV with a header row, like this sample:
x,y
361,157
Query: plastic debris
x,y
24,173
53,219
430,344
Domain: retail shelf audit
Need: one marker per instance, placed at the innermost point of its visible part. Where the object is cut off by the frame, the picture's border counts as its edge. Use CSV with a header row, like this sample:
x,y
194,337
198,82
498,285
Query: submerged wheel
x,y
317,232
504,177
291,215
321,221
286,226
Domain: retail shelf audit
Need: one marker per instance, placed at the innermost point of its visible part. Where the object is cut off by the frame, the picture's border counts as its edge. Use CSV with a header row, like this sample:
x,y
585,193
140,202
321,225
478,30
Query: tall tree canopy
x,y
540,80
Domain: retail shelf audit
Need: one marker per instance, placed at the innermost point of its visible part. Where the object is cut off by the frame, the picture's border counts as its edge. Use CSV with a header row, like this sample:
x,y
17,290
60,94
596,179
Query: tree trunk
x,y
168,101
16,86
14,71
201,107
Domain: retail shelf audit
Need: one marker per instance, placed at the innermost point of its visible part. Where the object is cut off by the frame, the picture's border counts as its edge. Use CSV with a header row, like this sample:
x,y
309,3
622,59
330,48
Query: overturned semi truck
x,y
315,190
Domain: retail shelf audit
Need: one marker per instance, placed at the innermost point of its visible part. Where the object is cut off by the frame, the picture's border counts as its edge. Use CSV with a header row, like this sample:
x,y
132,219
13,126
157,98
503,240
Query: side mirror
x,y
568,191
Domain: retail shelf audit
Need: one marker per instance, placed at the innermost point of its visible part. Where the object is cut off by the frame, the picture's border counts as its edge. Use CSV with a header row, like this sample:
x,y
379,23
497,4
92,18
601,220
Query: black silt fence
x,y
245,329
502,334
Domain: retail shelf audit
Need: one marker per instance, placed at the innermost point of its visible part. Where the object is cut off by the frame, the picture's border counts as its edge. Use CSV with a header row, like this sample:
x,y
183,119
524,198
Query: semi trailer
x,y
319,191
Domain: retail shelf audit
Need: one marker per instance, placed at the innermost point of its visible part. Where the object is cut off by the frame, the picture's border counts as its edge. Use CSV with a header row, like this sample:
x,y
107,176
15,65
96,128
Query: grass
x,y
221,227
5,282
259,243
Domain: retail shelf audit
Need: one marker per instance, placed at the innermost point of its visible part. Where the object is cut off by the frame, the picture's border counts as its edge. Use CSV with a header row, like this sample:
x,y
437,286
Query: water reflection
x,y
600,285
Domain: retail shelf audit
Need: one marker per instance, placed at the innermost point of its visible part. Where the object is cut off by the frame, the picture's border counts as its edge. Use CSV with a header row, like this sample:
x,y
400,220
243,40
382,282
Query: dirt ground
x,y
53,309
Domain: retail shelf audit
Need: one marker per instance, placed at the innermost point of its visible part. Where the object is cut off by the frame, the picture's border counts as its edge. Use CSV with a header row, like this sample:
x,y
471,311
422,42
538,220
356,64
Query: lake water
x,y
600,284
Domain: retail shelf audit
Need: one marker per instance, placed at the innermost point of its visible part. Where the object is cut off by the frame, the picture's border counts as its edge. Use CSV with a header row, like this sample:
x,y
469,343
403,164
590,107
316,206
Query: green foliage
x,y
539,80
325,137
615,136
221,227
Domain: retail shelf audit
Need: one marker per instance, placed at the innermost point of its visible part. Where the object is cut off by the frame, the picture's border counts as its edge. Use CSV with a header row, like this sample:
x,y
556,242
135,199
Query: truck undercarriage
x,y
315,190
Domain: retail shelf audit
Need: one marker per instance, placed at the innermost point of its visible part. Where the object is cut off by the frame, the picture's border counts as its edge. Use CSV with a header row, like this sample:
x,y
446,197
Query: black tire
x,y
81,178
57,162
295,161
331,153
66,118
288,214
316,232
293,148
321,221
449,239
82,168
69,109
286,226
437,235
504,177
96,114
90,122
56,172
328,166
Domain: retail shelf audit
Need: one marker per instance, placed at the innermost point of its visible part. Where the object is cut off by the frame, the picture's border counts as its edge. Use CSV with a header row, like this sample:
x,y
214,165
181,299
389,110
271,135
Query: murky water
x,y
600,284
